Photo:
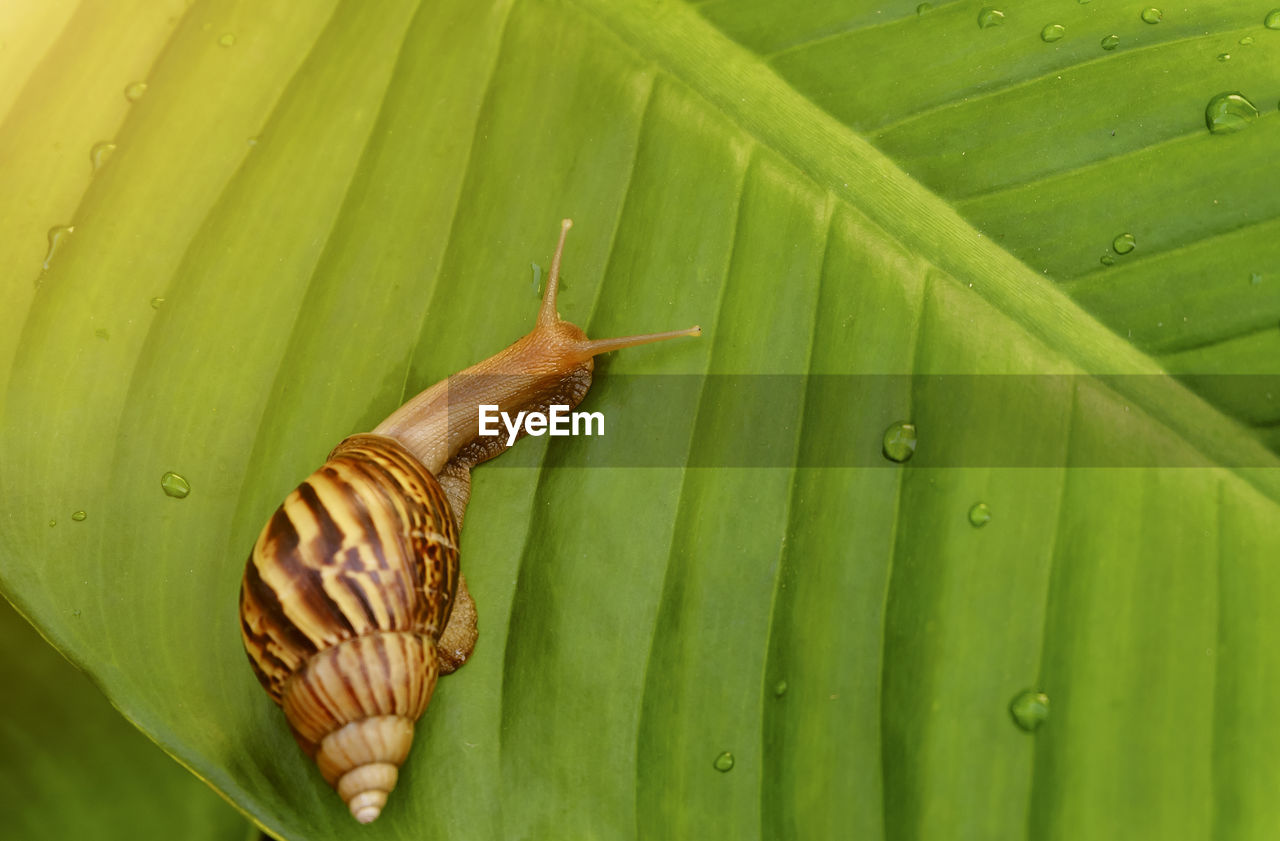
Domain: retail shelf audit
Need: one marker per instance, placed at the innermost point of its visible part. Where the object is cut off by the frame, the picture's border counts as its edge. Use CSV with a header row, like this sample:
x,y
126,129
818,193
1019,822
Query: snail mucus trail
x,y
352,603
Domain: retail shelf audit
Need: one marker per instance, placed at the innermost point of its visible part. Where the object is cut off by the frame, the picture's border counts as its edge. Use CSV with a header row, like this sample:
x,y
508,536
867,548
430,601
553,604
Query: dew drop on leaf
x,y
1124,243
135,91
990,16
1246,40
1029,709
1255,278
900,441
79,516
52,523
58,236
228,39
1107,260
157,302
724,762
923,7
100,152
1110,42
175,485
1052,32
979,515
1229,112
1224,56
1152,15
780,688
1272,20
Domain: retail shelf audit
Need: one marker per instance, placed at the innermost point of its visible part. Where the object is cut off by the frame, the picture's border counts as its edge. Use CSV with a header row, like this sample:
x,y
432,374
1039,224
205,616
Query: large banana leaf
x,y
316,209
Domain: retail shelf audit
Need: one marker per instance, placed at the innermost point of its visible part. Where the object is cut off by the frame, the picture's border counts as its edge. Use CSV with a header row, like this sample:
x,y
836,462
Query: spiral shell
x,y
344,597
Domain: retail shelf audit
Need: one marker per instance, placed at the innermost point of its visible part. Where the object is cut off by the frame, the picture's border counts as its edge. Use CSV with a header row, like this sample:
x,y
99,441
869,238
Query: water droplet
x,y
228,39
1152,15
900,441
135,91
1052,32
79,516
1083,2
102,333
1224,56
1107,260
990,16
175,485
923,7
1110,42
537,279
58,236
979,515
1229,112
76,613
1123,244
724,762
52,523
100,152
1272,20
157,302
1246,40
780,689
1255,278
1029,709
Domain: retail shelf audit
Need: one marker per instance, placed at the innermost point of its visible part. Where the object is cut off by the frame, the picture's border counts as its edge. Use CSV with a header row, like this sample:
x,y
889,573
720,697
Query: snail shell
x,y
354,579
344,598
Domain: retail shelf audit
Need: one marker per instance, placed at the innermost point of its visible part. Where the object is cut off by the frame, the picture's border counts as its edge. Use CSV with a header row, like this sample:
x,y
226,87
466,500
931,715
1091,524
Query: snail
x,y
352,603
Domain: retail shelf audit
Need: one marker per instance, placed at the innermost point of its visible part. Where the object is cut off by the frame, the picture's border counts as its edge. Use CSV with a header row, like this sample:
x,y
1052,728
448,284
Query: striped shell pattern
x,y
345,594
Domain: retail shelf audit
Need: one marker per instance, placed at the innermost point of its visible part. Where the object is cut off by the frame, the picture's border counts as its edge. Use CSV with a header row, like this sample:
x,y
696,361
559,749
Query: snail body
x,y
352,603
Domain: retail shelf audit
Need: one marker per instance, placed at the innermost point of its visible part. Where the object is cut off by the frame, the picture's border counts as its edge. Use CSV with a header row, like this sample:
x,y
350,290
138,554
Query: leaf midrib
x,y
683,44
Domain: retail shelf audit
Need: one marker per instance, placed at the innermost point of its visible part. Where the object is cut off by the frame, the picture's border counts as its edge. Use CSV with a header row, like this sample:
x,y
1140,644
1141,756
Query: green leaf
x,y
71,767
1057,148
876,215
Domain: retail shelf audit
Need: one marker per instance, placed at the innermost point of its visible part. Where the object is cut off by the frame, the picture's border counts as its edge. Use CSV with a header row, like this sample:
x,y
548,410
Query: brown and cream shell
x,y
344,598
